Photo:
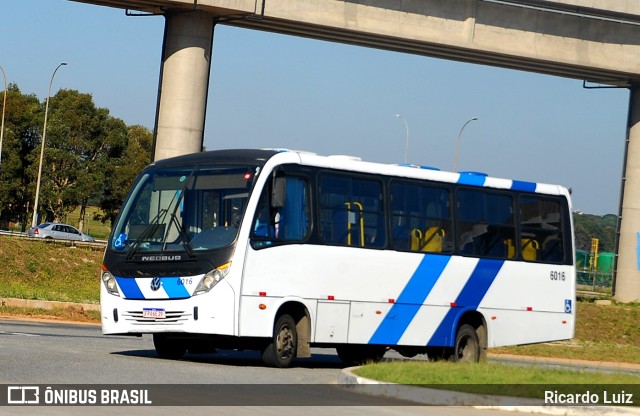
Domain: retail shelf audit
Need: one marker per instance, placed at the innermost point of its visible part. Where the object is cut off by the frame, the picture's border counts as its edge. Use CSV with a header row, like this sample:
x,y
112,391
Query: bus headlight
x,y
109,282
212,278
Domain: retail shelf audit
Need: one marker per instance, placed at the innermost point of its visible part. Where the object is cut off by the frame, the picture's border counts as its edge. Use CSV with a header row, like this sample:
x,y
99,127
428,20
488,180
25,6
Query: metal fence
x,y
594,281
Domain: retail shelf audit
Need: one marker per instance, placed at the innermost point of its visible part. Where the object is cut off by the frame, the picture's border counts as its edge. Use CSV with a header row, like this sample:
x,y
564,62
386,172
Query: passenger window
x,y
541,229
420,218
485,223
351,211
288,221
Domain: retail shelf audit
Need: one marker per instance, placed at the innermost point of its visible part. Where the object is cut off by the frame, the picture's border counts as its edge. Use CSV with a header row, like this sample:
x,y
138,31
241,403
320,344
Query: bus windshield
x,y
183,209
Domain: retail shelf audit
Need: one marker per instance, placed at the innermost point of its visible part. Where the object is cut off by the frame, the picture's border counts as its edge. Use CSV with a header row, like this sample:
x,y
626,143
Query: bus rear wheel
x,y
281,349
467,347
169,348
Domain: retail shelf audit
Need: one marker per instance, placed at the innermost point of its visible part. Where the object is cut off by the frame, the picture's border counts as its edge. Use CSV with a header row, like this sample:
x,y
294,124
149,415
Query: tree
x,y
592,226
80,139
98,156
90,157
123,171
23,118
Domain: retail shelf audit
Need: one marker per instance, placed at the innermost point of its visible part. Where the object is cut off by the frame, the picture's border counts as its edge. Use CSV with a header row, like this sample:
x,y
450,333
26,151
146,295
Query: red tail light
x,y
36,231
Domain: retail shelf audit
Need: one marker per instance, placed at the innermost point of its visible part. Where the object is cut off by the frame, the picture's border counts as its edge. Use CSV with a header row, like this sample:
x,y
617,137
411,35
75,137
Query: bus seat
x,y
529,246
430,241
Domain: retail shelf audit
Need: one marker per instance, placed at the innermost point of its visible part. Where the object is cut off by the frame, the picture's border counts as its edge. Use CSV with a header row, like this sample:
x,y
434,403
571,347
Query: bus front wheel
x,y
281,349
168,348
467,347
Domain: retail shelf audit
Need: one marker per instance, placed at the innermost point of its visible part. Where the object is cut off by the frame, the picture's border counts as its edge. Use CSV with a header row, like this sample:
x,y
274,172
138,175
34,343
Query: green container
x,y
605,262
582,259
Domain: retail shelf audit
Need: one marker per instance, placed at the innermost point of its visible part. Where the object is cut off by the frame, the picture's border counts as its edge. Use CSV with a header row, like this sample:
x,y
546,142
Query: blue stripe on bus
x,y
410,300
469,298
174,288
523,186
471,179
129,288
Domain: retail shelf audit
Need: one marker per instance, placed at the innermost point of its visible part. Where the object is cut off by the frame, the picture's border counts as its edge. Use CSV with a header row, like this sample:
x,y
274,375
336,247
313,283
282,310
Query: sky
x,y
270,90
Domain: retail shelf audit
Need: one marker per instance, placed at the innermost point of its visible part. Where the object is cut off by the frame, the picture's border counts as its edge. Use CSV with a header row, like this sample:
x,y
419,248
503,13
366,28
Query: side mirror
x,y
278,192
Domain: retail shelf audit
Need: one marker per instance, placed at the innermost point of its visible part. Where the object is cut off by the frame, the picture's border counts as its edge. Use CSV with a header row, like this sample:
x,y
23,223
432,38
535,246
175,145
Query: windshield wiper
x,y
184,238
151,229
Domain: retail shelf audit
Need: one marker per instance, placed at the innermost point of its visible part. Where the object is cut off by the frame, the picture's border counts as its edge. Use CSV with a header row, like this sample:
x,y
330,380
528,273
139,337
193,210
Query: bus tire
x,y
281,349
352,355
168,348
467,347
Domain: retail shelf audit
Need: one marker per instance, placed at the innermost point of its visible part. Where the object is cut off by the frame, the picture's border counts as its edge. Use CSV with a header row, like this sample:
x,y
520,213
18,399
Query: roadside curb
x,y
436,397
48,304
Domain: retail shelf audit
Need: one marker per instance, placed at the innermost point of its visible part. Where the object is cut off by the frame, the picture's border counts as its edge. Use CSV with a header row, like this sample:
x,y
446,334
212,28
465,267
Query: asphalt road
x,y
46,353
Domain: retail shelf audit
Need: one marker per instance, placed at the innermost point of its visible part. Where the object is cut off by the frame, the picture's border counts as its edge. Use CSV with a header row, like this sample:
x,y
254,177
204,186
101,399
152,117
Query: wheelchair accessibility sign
x,y
568,306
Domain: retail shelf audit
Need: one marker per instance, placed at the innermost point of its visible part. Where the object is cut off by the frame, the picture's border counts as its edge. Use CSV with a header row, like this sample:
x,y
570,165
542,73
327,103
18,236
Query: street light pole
x,y
455,156
406,144
34,221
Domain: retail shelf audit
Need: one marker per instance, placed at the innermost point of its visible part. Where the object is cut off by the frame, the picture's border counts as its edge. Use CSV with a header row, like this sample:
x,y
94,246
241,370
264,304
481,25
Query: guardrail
x,y
94,245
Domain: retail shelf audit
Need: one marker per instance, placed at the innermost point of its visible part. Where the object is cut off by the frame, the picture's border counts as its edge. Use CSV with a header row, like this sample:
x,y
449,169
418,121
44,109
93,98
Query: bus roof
x,y
261,157
240,156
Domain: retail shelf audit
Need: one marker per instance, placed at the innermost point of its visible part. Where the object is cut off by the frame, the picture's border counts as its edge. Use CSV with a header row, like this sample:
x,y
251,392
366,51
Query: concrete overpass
x,y
592,40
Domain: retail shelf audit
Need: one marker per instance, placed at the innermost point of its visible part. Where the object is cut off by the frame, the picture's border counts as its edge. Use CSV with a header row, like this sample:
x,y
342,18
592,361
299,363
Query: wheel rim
x,y
467,350
285,344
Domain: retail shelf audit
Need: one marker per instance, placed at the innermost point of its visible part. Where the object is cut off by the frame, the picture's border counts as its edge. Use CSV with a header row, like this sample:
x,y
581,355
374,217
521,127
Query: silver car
x,y
58,231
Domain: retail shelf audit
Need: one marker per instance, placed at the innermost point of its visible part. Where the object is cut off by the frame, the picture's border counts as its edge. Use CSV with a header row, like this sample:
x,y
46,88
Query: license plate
x,y
153,313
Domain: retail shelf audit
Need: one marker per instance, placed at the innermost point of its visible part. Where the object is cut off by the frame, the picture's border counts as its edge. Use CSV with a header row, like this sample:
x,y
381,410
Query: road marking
x,y
19,333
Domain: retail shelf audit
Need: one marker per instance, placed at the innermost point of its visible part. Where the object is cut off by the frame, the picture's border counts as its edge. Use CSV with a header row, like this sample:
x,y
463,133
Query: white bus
x,y
280,251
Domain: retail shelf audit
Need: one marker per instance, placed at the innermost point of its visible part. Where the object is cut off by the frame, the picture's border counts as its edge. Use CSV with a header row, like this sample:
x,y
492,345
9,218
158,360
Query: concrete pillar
x,y
184,83
627,285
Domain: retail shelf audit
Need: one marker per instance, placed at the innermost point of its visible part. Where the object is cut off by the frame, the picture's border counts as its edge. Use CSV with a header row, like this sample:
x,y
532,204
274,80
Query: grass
x,y
44,270
428,373
498,379
603,333
92,227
